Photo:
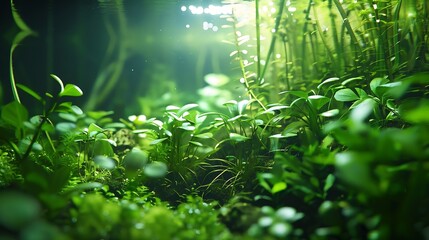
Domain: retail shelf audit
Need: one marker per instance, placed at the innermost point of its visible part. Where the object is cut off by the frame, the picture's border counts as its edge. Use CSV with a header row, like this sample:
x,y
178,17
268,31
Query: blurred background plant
x,y
319,132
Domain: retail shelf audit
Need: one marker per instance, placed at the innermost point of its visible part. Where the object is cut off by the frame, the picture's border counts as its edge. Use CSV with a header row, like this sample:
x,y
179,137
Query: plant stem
x,y
243,67
273,40
258,40
347,25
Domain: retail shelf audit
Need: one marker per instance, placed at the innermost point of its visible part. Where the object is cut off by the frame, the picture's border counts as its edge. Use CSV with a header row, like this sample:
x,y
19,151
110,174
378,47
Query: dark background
x,y
72,39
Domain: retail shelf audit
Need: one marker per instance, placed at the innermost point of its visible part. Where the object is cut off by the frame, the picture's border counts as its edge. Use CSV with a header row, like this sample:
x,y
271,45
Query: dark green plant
x,y
184,141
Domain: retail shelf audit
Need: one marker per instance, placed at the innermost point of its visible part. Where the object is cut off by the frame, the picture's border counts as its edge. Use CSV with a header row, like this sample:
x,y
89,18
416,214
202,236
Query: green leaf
x,y
65,127
29,91
18,20
300,94
15,114
85,186
156,169
394,90
417,115
68,116
76,110
288,214
280,229
330,113
99,114
318,101
242,105
104,162
94,128
361,111
278,187
206,135
71,90
103,147
275,108
351,80
345,95
237,137
58,80
135,160
328,81
329,182
196,143
156,141
186,108
354,168
375,83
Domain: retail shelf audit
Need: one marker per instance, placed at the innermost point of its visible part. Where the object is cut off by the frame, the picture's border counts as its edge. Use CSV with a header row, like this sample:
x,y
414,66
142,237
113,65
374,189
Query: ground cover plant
x,y
330,141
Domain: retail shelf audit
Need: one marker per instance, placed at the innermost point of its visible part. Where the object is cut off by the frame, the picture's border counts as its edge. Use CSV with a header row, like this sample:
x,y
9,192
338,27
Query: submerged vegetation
x,y
323,135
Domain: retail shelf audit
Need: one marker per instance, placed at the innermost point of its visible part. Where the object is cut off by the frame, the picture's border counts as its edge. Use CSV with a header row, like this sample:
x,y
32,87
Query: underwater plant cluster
x,y
318,132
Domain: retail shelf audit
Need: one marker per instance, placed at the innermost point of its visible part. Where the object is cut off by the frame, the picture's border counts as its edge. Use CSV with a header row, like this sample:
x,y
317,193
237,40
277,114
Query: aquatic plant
x,y
324,147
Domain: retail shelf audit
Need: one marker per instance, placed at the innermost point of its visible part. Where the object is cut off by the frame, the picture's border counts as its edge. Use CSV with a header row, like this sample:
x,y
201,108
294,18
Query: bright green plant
x,y
241,152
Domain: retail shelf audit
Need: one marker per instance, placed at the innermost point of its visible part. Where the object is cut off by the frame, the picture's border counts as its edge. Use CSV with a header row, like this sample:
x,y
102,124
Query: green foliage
x,y
276,223
342,158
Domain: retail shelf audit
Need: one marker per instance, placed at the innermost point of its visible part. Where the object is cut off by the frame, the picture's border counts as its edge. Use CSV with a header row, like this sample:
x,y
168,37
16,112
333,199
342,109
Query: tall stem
x,y
258,39
273,40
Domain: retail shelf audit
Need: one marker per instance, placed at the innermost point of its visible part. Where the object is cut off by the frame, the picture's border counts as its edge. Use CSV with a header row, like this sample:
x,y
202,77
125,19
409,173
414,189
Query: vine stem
x,y
243,67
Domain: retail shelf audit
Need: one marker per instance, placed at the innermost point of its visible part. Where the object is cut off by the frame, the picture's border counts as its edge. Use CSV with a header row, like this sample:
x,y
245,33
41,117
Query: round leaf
x,y
14,114
135,160
345,95
71,90
104,162
156,169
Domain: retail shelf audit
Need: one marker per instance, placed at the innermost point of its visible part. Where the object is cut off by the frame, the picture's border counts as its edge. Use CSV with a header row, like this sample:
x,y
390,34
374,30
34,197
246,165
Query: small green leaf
x,y
318,101
345,95
76,110
15,114
71,90
104,162
278,187
156,141
65,127
29,91
330,179
156,169
328,81
280,229
242,105
186,108
85,186
330,113
237,137
94,128
351,80
56,78
375,83
206,135
361,111
287,213
96,115
300,94
196,143
135,160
